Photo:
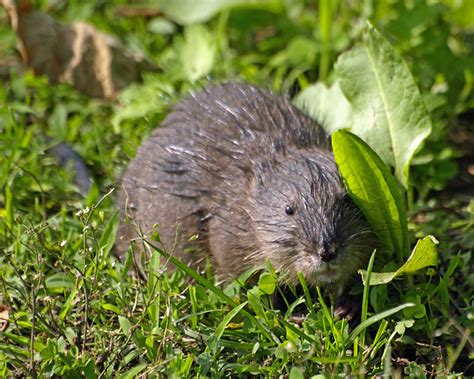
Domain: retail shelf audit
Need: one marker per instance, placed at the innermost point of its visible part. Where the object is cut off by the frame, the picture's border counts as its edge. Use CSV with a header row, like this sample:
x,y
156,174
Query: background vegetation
x,y
72,308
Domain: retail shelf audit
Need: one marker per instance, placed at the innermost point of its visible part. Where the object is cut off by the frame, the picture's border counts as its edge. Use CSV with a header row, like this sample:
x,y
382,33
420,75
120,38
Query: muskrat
x,y
236,175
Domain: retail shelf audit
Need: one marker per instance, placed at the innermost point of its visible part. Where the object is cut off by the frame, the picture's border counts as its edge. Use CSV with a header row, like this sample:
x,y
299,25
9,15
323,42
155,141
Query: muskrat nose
x,y
328,252
327,256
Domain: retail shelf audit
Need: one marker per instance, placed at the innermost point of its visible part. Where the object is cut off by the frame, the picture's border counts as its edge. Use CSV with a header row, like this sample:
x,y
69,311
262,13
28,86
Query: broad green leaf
x,y
111,307
187,12
129,357
296,373
300,50
139,101
71,335
125,325
424,255
9,348
403,325
20,340
196,52
375,191
161,25
388,111
419,311
267,283
134,371
327,106
59,282
49,351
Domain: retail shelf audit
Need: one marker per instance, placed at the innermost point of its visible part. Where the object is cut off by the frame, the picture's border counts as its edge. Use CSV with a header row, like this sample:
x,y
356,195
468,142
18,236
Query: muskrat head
x,y
304,220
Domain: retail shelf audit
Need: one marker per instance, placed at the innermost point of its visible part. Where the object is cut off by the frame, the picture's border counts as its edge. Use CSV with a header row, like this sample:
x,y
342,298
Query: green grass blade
x,y
365,297
307,295
372,320
222,325
107,239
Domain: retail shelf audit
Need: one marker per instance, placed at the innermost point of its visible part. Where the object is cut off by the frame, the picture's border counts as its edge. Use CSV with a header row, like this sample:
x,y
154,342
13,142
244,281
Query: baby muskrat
x,y
238,175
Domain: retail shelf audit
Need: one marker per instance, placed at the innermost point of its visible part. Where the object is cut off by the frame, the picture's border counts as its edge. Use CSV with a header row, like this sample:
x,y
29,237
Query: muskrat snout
x,y
327,254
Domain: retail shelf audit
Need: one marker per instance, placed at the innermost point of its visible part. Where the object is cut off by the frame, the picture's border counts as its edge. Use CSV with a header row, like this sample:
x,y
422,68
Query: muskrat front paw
x,y
348,307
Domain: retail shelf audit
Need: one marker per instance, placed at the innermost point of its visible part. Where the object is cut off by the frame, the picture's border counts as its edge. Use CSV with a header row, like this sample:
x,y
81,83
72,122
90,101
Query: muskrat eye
x,y
289,210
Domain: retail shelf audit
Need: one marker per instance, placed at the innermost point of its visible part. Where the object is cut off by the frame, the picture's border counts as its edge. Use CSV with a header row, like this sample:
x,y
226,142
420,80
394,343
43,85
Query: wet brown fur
x,y
224,166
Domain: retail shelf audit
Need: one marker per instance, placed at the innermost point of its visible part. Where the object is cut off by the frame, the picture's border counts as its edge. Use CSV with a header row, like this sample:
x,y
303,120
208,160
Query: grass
x,y
75,310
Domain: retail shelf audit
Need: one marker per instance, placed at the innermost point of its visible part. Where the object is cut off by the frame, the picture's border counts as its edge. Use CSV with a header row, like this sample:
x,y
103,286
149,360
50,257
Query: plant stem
x,y
326,10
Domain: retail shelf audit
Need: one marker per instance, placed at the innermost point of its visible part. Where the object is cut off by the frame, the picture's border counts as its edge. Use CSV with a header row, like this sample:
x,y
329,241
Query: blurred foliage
x,y
287,45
